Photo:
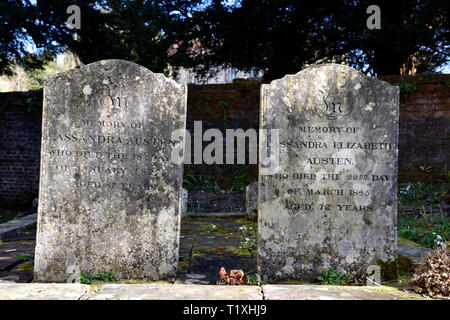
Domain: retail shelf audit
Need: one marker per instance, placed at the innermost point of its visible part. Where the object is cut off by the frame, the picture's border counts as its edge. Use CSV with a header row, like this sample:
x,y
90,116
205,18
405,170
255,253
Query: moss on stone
x,y
396,269
26,266
137,281
389,269
93,287
405,266
294,282
221,251
242,252
403,240
183,265
227,251
394,291
246,221
223,232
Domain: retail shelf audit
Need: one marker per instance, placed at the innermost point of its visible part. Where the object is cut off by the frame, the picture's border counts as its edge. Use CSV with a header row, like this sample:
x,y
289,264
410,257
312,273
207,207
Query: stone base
x,y
158,291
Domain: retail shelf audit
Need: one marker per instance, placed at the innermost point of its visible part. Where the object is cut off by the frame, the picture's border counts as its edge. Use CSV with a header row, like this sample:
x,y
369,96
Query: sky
x,y
445,69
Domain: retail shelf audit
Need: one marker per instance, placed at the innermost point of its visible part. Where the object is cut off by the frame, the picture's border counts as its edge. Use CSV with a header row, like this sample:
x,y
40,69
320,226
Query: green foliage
x,y
239,180
418,230
37,76
23,257
247,231
21,22
105,276
420,193
447,177
26,199
197,182
139,31
254,278
7,215
190,182
335,277
198,207
248,244
239,183
406,88
279,37
425,169
429,224
211,228
249,237
33,103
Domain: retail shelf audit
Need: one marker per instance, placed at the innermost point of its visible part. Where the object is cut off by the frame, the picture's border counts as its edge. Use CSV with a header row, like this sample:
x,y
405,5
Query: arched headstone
x,y
110,196
332,202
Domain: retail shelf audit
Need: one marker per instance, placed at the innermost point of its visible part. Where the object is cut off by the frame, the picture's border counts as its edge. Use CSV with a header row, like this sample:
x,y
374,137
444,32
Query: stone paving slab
x,y
155,291
9,251
212,250
19,228
413,252
18,275
320,292
42,291
158,291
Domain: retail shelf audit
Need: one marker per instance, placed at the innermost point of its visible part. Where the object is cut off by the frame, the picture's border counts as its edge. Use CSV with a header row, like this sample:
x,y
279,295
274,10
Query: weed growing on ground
x,y
211,228
335,277
105,276
23,257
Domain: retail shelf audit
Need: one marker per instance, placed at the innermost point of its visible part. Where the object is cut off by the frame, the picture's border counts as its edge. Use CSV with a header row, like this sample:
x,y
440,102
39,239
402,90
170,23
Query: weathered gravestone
x,y
184,202
109,193
333,201
251,200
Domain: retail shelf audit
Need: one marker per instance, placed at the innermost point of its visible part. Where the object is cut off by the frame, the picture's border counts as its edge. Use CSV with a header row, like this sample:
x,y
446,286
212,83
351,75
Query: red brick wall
x,y
424,129
424,125
224,106
20,144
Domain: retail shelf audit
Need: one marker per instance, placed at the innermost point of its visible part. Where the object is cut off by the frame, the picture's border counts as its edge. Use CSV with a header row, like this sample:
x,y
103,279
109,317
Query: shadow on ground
x,y
203,251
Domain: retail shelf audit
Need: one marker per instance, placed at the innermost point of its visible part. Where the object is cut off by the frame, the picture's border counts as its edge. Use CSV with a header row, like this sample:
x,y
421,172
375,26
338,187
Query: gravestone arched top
x,y
330,91
113,86
117,66
327,67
